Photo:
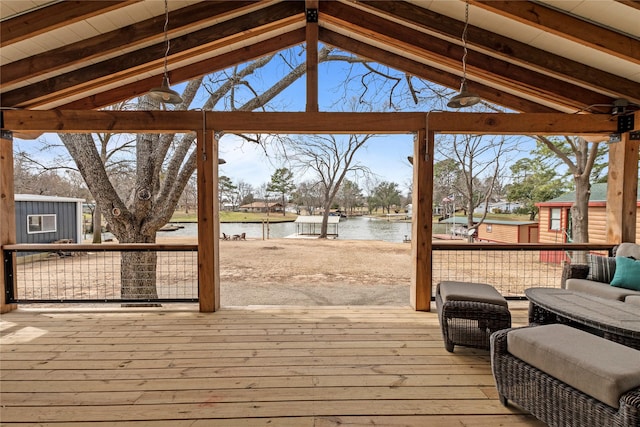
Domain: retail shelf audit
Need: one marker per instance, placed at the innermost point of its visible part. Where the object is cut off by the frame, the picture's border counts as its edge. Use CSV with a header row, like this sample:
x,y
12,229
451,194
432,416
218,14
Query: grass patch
x,y
227,216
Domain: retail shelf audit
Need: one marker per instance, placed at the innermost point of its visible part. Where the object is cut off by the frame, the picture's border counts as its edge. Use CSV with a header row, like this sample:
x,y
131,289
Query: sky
x,y
385,155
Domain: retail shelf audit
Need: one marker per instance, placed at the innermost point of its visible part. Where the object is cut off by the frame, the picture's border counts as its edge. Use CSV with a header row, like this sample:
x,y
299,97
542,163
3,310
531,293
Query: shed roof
x,y
316,219
41,198
598,194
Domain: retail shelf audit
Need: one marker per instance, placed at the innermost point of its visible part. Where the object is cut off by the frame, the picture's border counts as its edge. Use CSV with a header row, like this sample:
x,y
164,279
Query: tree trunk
x,y
138,276
97,223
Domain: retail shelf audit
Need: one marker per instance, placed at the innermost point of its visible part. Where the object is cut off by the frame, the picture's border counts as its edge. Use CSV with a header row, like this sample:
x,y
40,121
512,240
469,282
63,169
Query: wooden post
x,y
622,190
7,210
422,230
208,222
311,7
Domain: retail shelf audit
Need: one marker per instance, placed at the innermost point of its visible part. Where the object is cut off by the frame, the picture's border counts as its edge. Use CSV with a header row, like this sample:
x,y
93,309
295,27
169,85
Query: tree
x,y
349,195
282,184
307,195
446,173
533,182
480,160
580,157
245,193
329,158
387,194
227,191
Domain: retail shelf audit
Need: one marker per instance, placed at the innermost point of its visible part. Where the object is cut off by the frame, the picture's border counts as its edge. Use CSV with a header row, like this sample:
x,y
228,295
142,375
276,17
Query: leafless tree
x,y
481,160
329,158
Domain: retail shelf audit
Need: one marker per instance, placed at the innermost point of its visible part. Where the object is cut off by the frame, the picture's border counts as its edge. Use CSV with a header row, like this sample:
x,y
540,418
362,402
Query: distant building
x,y
555,216
46,219
497,231
262,207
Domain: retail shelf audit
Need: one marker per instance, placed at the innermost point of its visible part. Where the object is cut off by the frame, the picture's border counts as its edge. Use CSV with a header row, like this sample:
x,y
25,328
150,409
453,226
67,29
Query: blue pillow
x,y
627,274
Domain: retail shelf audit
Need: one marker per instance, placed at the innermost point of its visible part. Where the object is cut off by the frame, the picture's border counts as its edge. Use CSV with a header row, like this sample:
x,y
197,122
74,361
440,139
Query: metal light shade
x,y
165,94
464,98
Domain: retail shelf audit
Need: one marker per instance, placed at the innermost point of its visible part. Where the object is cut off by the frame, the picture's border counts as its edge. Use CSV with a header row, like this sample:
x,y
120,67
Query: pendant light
x,y
464,98
164,93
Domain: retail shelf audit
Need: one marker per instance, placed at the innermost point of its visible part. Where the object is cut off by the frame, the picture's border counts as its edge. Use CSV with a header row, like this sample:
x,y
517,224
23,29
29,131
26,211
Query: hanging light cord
x,y
464,43
166,36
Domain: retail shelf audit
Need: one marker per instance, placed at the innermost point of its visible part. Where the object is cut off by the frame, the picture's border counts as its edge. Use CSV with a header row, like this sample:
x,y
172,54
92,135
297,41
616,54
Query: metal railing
x,y
84,273
74,273
509,268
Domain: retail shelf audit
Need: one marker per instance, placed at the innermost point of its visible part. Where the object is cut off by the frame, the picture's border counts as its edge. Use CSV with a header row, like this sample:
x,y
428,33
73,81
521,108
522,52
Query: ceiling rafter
x,y
567,26
150,58
107,43
511,50
55,16
191,71
479,65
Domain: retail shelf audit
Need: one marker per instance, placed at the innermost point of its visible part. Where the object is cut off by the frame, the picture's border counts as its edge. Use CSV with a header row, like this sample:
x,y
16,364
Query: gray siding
x,y
66,221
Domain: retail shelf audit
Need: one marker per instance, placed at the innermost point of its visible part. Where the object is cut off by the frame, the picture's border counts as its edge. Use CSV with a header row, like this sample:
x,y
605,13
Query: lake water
x,y
358,228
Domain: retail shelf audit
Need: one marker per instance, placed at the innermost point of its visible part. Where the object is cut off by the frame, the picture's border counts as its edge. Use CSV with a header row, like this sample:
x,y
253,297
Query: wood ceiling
x,y
529,56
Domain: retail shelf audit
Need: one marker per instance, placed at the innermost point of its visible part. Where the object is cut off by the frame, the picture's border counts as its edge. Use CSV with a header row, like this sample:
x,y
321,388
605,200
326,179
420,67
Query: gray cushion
x,y
599,289
633,299
467,291
628,250
603,369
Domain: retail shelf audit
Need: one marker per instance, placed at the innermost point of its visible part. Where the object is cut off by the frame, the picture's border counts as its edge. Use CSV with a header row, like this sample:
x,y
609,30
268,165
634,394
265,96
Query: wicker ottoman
x,y
469,313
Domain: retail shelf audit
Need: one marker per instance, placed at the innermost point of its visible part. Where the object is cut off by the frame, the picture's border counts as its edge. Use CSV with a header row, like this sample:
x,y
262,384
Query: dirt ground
x,y
313,272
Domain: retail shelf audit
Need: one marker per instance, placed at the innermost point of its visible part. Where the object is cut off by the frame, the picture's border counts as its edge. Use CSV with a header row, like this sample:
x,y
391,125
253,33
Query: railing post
x,y
8,263
422,228
7,210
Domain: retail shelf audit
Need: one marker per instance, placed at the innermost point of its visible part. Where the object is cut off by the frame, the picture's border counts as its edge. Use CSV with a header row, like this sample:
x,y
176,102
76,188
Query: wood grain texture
x,y
284,366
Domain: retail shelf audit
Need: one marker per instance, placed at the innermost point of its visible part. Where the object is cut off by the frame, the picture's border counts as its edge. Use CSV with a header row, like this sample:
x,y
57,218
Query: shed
x,y
496,230
309,225
505,231
46,219
555,219
555,216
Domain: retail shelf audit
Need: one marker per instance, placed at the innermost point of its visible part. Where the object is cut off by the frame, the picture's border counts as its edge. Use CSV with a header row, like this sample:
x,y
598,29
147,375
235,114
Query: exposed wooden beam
x,y
104,44
566,26
189,72
479,65
57,15
426,72
509,49
151,58
208,222
422,218
311,7
258,122
622,190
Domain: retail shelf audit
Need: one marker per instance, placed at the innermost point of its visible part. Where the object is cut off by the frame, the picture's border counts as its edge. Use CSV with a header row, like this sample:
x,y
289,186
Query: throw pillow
x,y
627,274
602,268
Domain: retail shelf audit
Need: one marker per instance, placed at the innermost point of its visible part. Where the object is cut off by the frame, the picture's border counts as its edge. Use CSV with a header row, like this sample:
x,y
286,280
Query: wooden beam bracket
x,y
626,123
312,16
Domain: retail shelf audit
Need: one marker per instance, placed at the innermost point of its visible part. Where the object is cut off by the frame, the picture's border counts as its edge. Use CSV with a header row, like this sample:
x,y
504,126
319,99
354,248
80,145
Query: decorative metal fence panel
x,y
148,273
101,273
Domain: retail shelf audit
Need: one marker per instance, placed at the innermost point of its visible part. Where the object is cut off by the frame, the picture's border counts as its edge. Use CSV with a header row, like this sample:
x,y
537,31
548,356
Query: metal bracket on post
x,y
312,16
625,123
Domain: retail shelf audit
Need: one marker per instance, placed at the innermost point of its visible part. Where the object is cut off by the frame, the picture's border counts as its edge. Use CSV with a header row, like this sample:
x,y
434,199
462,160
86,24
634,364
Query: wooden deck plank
x,y
284,366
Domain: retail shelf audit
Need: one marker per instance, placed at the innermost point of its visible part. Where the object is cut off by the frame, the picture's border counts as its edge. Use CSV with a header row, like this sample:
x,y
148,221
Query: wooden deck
x,y
267,366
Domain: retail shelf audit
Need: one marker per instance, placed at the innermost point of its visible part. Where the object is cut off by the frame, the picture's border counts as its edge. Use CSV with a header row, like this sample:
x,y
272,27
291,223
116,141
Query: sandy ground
x,y
312,272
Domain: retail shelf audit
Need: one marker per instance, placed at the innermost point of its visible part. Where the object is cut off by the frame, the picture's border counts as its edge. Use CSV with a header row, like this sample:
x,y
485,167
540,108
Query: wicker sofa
x,y
595,278
567,377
